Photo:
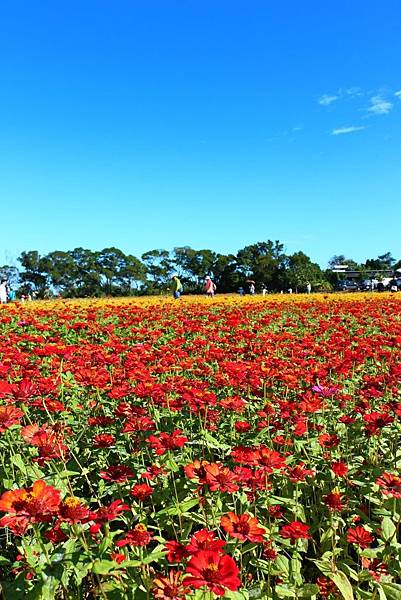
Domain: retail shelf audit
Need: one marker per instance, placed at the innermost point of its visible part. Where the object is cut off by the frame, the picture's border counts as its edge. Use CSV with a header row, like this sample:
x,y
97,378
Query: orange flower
x,y
243,527
220,478
37,503
170,587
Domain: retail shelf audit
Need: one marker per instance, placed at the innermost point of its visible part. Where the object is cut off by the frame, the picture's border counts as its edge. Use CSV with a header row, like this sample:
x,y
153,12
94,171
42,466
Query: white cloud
x,y
327,99
398,94
354,91
380,106
342,130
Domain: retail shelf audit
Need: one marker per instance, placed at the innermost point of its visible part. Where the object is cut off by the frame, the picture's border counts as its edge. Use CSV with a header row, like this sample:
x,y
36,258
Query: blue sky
x,y
160,123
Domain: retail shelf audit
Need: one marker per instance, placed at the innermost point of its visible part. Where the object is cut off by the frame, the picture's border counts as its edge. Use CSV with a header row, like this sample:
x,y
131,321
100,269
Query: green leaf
x,y
338,578
243,595
388,529
18,461
283,591
104,567
283,564
308,590
180,508
392,591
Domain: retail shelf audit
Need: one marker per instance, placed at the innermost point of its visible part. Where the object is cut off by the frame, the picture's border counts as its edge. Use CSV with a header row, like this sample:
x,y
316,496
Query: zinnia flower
x,y
360,537
139,536
205,540
117,473
220,478
334,501
243,527
214,571
294,531
170,587
140,491
390,485
37,503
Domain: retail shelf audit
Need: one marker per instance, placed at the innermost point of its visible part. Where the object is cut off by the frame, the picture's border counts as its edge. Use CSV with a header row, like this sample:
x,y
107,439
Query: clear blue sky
x,y
215,124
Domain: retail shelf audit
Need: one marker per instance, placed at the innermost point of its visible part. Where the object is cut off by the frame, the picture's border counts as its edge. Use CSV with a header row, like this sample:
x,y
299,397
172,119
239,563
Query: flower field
x,y
237,448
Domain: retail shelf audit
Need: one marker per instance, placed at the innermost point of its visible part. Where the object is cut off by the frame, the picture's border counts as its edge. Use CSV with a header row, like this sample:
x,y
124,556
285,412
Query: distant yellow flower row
x,y
226,299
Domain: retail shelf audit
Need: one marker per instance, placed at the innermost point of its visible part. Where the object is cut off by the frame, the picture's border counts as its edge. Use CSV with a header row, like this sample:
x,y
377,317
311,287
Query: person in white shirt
x,y
3,291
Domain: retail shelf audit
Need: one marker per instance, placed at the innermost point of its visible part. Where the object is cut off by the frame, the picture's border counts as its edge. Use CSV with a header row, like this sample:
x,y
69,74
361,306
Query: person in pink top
x,y
210,287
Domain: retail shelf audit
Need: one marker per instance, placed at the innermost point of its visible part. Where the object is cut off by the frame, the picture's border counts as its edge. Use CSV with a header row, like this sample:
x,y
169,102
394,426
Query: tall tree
x,y
301,271
262,262
131,275
34,276
193,265
159,267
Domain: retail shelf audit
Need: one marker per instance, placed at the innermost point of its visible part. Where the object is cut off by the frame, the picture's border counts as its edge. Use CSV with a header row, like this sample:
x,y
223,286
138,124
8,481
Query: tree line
x,y
110,272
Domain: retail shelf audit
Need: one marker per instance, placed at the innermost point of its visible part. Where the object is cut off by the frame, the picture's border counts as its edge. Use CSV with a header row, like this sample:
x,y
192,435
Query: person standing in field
x,y
3,291
308,288
209,287
177,287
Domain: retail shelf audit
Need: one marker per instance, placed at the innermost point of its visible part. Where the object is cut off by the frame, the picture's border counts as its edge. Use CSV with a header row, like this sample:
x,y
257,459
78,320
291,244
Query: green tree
x,y
301,271
10,273
225,273
159,269
263,262
35,275
381,263
193,265
131,275
88,279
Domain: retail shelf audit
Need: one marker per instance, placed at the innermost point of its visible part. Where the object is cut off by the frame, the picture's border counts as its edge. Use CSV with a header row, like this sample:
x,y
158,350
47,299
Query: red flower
x,y
73,510
329,441
196,470
376,421
166,442
243,527
205,540
270,459
269,553
334,501
376,568
242,426
245,455
170,587
110,512
9,415
153,472
140,491
139,536
276,511
339,468
294,531
117,473
299,473
56,535
326,587
218,573
390,485
50,443
37,503
220,478
360,537
103,440
176,552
